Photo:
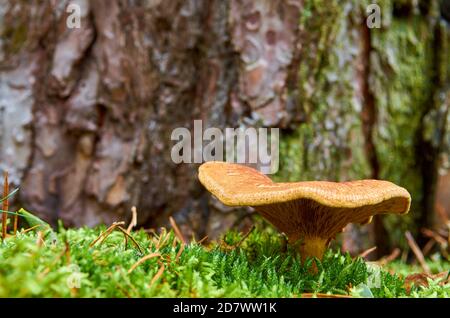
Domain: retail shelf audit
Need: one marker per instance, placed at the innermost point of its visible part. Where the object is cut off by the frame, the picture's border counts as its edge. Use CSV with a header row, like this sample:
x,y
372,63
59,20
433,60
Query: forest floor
x,y
114,262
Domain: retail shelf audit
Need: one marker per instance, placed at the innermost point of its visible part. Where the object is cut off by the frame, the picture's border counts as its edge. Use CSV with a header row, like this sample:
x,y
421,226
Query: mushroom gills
x,y
314,224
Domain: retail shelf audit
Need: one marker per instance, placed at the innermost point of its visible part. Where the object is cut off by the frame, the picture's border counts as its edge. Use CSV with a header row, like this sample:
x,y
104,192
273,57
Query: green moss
x,y
96,263
65,265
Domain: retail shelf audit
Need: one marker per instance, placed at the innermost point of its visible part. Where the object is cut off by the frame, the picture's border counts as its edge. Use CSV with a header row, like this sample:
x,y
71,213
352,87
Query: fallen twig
x,y
417,252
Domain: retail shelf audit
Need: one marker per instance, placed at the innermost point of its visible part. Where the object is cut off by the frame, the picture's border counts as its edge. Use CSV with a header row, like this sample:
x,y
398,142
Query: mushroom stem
x,y
313,247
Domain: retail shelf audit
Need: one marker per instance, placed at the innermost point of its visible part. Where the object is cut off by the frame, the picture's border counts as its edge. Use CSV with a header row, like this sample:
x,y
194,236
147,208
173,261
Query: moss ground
x,y
64,264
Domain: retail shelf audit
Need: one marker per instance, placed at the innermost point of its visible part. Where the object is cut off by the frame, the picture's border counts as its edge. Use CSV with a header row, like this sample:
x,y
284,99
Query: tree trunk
x,y
87,113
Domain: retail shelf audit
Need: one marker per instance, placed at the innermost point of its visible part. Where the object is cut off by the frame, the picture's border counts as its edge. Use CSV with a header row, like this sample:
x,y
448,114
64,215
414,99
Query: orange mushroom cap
x,y
310,210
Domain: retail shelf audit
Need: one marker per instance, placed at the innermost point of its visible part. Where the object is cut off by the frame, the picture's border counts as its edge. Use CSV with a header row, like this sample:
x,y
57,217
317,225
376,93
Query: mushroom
x,y
311,212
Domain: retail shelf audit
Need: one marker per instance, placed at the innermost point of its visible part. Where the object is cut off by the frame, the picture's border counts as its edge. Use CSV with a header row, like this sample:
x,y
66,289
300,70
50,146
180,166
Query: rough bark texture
x,y
86,114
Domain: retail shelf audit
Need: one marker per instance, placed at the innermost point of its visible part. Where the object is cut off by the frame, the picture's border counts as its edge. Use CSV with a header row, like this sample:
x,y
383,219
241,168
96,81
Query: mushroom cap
x,y
238,185
313,210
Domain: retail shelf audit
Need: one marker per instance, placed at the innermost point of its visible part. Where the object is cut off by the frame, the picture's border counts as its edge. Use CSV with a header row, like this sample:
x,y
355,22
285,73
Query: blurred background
x,y
87,111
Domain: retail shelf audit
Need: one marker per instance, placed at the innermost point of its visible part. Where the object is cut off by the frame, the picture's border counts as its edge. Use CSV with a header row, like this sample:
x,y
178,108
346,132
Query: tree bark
x,y
94,107
87,113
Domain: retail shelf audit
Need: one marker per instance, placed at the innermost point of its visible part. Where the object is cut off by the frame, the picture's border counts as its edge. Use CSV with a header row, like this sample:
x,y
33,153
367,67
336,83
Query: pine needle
x,y
132,238
245,236
143,259
180,251
40,239
133,221
417,252
32,228
162,238
202,240
158,275
5,204
106,233
177,231
391,257
367,252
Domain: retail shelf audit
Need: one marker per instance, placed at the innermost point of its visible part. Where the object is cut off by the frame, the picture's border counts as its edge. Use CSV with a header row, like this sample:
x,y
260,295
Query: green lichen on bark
x,y
13,28
23,27
329,144
445,73
437,120
401,82
15,37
